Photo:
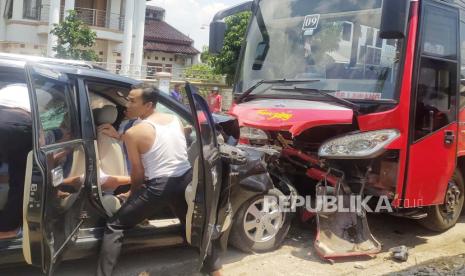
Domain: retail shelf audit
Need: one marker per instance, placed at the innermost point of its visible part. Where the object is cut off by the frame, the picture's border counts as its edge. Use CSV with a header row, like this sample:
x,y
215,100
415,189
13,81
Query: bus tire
x,y
444,216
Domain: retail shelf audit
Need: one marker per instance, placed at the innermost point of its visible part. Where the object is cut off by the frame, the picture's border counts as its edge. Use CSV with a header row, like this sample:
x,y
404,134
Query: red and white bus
x,y
365,96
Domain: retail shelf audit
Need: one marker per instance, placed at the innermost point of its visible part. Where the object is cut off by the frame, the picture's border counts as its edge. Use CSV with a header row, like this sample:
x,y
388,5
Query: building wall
x,y
24,32
167,61
23,48
2,20
23,36
30,36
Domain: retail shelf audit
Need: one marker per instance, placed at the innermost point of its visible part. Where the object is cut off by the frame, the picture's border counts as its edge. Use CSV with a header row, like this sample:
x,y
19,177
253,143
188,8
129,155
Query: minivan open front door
x,y
204,192
56,169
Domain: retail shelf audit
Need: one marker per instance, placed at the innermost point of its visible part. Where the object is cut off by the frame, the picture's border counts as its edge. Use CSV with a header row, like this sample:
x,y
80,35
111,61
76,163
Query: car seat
x,y
110,153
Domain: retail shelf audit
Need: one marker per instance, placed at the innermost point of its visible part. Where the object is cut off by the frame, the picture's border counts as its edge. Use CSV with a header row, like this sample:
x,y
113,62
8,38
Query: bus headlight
x,y
359,146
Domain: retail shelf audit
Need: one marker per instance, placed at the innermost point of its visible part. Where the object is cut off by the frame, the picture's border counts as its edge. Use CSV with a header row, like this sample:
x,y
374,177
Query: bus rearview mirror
x,y
394,19
218,26
217,33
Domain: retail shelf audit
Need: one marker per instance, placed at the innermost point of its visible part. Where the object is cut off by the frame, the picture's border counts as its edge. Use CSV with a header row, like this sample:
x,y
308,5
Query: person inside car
x,y
15,144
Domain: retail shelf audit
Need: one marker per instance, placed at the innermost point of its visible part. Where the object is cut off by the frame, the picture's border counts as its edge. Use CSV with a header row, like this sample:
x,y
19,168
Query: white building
x,y
25,26
166,49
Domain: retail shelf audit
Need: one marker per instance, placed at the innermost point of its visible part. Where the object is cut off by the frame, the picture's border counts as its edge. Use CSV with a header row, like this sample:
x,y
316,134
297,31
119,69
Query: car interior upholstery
x,y
110,154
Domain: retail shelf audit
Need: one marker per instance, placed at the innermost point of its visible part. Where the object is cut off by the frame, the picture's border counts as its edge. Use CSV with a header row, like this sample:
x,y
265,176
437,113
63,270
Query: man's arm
x,y
114,181
134,155
110,131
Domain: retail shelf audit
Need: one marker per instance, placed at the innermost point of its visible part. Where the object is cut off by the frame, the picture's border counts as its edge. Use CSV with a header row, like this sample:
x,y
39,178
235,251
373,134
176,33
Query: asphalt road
x,y
429,253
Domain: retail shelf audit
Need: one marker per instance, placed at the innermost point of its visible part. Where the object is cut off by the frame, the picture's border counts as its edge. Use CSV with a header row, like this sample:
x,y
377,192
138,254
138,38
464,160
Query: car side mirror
x,y
217,33
394,19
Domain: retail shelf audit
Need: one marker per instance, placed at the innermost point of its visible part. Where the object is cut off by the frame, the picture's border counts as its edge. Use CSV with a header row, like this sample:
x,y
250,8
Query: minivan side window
x,y
56,118
190,134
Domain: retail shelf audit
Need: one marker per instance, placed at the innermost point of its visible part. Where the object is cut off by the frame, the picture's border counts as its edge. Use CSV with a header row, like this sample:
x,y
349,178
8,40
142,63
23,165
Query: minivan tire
x,y
247,240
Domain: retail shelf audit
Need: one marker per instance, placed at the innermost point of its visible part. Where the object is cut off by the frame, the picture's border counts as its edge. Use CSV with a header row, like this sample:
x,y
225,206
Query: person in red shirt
x,y
215,100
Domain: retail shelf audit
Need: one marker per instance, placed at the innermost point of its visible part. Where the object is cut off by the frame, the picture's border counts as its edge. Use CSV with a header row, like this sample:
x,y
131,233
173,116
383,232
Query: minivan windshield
x,y
335,42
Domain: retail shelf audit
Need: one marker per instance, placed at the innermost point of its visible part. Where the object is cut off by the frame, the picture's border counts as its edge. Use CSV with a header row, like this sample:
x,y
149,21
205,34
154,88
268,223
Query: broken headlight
x,y
361,145
254,135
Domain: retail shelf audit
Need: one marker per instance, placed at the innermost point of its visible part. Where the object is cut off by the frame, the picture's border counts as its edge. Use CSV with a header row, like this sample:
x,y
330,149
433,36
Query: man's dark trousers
x,y
154,195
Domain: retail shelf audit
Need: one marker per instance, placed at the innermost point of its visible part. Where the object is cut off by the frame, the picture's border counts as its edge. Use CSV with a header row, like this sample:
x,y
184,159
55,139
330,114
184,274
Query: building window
x,y
168,68
171,59
156,58
163,59
347,31
155,67
370,34
31,9
9,9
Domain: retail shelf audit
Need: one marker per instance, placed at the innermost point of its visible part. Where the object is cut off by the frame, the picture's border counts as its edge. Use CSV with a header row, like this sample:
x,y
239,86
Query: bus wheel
x,y
444,216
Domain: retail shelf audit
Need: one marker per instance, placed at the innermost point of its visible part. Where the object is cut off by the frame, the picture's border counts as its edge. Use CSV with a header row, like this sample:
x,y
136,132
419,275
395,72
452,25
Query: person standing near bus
x,y
215,100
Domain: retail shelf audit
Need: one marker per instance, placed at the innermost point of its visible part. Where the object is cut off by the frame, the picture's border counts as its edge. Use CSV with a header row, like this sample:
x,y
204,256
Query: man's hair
x,y
177,85
149,93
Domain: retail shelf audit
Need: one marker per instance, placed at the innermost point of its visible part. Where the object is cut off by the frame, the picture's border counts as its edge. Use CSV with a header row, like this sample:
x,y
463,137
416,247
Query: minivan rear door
x,y
201,223
56,169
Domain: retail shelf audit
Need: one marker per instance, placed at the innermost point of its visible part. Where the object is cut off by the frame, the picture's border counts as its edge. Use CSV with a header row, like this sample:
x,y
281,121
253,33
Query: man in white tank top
x,y
160,173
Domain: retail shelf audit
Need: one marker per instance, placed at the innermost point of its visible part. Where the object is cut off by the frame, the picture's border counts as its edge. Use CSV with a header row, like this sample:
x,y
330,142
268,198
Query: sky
x,y
192,17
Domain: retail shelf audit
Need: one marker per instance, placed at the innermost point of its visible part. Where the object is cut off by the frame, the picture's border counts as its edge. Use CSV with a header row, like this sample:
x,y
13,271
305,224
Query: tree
x,y
226,61
205,56
202,72
74,39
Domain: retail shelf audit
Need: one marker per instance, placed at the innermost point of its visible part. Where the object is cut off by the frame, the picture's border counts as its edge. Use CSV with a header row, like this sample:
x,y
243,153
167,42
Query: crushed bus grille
x,y
343,234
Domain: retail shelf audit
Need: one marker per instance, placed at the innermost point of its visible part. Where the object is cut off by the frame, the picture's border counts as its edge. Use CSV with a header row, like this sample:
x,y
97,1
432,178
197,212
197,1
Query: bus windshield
x,y
335,44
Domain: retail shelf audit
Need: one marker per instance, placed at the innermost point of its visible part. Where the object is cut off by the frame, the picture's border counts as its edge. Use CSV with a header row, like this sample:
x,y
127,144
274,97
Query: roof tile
x,y
170,48
160,31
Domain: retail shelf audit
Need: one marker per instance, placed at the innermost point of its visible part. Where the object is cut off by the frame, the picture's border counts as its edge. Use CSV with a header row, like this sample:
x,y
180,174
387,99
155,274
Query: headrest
x,y
105,115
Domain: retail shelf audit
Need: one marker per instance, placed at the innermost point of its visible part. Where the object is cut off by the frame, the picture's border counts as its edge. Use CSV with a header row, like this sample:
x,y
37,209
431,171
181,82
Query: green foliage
x,y
74,39
205,56
225,63
202,72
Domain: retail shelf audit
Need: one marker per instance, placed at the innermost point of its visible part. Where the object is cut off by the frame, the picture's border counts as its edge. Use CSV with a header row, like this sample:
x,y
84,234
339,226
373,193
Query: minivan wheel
x,y
444,216
256,229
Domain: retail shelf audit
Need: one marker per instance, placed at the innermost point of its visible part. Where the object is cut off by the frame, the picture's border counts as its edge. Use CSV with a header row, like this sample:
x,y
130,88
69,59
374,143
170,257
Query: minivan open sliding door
x,y
56,169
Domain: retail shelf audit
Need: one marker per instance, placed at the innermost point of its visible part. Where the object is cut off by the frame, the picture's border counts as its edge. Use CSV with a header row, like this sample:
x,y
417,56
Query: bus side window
x,y
436,98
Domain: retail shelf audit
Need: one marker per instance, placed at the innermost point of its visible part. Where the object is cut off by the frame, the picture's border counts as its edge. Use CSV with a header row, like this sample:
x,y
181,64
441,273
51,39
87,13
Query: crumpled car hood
x,y
294,116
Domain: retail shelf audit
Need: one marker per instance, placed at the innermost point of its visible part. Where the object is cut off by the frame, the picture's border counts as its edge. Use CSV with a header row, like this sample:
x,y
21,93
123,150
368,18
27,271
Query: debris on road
x,y
399,253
